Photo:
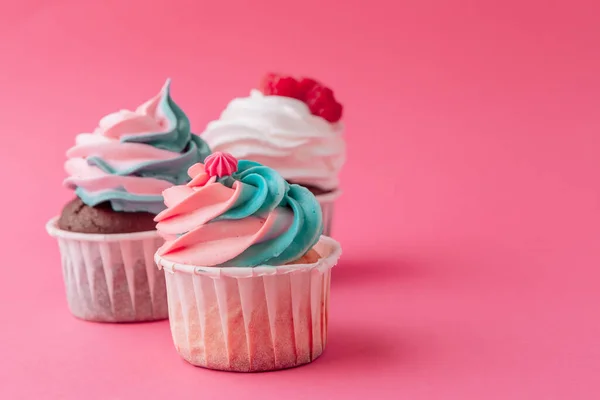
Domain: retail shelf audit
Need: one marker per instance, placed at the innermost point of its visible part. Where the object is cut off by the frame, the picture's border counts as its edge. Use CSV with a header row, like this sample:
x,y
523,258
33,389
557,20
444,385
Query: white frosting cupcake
x,y
284,133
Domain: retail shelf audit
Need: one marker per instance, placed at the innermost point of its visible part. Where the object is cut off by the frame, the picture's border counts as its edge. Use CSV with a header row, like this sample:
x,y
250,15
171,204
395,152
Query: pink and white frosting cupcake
x,y
292,126
247,269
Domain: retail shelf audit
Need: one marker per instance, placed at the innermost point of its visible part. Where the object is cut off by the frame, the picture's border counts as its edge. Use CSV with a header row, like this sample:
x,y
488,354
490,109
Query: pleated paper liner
x,y
327,202
112,277
251,319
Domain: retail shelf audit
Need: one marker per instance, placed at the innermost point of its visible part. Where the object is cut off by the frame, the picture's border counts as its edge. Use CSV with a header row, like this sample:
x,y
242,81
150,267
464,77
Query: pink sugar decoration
x,y
220,164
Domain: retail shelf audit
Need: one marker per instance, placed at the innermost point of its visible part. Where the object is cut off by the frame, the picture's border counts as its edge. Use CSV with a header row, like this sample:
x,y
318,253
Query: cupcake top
x,y
237,214
290,125
132,156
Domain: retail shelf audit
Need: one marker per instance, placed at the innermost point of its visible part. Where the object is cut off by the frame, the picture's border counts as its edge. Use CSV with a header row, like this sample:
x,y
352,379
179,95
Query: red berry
x,y
332,112
305,85
322,103
275,85
318,93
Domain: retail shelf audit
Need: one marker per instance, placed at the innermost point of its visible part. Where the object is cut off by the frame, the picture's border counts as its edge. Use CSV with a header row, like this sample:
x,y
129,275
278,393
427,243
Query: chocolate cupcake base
x,y
77,216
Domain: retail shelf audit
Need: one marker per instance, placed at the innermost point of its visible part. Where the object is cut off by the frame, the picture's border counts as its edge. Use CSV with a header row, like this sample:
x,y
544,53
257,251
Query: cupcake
x,y
107,234
247,270
292,126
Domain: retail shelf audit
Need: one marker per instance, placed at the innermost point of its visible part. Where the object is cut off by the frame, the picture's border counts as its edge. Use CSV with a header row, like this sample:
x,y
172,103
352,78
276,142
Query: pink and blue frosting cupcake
x,y
107,234
247,269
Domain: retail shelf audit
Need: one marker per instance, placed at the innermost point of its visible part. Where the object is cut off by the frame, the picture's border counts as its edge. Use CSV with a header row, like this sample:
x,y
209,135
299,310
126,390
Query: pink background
x,y
471,254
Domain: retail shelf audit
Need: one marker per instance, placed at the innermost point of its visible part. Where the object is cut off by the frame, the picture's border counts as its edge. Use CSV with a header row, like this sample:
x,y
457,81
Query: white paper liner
x,y
251,319
112,277
327,202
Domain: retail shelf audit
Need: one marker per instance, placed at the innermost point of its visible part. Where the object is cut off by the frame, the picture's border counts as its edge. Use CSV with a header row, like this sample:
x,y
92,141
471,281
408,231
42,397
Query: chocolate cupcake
x,y
107,235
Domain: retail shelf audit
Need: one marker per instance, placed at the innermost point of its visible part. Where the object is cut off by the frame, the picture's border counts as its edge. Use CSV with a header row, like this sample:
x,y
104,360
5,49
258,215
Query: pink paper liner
x,y
327,202
251,319
112,278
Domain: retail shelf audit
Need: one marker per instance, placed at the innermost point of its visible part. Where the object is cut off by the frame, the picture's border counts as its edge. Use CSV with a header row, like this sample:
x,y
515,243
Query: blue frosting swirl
x,y
272,191
179,139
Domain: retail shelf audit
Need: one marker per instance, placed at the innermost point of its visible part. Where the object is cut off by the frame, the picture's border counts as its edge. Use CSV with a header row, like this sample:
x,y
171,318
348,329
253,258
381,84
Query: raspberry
x,y
305,85
332,112
322,103
318,93
276,85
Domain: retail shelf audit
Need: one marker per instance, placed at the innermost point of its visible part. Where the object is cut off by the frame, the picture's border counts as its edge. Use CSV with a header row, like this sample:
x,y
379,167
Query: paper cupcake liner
x,y
251,319
112,278
327,202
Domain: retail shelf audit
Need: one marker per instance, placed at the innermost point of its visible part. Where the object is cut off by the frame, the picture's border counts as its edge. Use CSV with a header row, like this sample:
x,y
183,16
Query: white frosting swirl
x,y
281,133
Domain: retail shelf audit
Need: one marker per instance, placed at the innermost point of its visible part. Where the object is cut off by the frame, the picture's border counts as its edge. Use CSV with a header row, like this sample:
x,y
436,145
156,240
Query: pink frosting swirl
x,y
132,156
104,142
196,236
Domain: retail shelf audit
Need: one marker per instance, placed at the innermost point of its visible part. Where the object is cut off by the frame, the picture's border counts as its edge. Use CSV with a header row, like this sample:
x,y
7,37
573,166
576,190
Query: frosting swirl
x,y
253,217
133,156
281,133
